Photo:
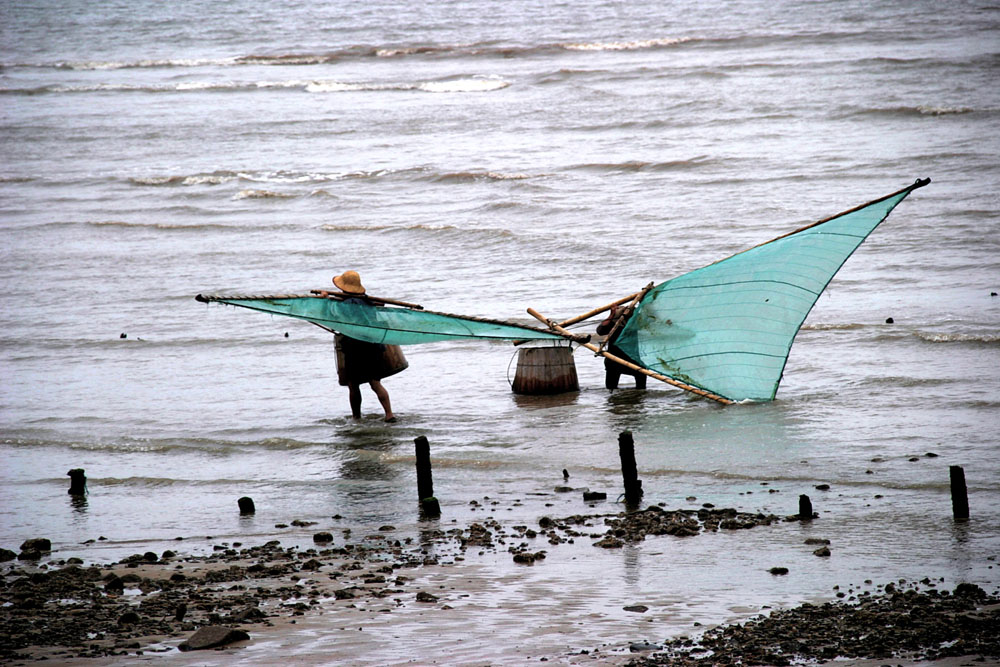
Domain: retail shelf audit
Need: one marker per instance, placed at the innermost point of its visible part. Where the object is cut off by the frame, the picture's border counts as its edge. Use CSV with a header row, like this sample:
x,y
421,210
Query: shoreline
x,y
392,596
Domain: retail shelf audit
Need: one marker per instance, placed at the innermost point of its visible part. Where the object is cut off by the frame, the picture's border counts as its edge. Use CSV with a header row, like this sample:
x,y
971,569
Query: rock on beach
x,y
212,636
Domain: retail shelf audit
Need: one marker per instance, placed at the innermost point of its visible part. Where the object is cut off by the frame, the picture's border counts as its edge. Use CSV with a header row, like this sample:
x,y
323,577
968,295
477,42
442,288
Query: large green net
x,y
728,327
378,324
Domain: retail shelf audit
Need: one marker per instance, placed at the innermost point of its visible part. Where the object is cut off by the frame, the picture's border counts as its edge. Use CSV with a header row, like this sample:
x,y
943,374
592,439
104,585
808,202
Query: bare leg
x,y
611,377
355,390
383,398
640,380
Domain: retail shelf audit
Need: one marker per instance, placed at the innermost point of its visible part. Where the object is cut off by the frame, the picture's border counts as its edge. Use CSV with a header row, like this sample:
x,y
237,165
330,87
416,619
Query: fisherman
x,y
359,361
612,369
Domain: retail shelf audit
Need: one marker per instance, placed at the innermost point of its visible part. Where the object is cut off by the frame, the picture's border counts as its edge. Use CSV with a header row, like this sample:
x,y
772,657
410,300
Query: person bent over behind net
x,y
613,371
359,361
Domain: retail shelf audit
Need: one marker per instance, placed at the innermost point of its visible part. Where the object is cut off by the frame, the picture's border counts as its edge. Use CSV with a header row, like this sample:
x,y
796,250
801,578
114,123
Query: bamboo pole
x,y
662,378
919,183
598,311
340,296
588,315
624,315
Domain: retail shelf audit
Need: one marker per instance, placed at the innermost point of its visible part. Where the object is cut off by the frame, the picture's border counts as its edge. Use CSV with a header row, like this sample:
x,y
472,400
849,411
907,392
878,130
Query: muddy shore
x,y
151,604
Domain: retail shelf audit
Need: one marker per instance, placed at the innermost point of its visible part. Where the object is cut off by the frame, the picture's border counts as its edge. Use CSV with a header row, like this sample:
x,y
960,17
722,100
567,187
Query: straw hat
x,y
350,282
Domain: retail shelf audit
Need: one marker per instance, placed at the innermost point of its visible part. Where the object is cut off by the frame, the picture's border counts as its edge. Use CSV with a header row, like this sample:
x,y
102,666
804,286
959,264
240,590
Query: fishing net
x,y
728,327
391,326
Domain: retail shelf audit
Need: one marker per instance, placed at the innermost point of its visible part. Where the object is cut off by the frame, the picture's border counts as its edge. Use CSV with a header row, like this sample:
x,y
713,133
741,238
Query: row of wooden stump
x,y
430,507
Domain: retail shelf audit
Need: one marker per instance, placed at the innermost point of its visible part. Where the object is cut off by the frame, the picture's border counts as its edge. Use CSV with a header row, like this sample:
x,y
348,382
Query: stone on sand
x,y
212,636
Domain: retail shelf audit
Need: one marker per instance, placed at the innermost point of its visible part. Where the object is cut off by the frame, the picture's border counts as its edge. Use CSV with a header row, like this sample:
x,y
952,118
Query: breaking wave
x,y
475,176
357,52
988,339
222,177
300,178
467,84
623,46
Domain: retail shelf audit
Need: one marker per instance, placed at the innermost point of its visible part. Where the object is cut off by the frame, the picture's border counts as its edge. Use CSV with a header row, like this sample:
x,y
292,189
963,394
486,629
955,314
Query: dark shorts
x,y
359,361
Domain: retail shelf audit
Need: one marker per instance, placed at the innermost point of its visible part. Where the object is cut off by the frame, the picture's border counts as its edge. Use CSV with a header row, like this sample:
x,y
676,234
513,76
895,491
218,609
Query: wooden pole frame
x,y
662,378
598,311
625,314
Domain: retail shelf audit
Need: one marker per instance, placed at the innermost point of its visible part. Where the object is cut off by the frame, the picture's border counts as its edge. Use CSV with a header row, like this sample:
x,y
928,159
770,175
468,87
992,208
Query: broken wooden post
x,y
805,508
633,485
959,494
246,505
77,482
425,482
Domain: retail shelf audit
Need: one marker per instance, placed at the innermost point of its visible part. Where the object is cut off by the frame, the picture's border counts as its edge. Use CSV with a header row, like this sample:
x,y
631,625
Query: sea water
x,y
481,158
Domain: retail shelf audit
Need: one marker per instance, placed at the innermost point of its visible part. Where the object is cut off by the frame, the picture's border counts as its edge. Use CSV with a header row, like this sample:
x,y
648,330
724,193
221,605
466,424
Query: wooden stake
x,y
425,483
429,505
805,508
662,378
246,505
77,482
630,477
959,494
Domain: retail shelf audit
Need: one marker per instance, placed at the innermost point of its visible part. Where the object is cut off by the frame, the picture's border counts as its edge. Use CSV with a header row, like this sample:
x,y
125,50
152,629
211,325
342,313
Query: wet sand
x,y
483,592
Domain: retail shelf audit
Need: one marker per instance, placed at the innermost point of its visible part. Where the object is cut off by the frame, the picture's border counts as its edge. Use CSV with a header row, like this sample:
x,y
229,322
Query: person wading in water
x,y
359,361
612,369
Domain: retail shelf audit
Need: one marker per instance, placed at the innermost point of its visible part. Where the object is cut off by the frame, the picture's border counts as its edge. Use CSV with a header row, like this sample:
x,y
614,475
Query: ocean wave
x,y
831,327
285,177
467,84
475,176
904,111
159,88
640,165
224,176
47,346
201,445
474,84
215,178
361,51
433,228
189,86
637,45
143,64
262,194
484,49
905,381
341,87
986,339
193,227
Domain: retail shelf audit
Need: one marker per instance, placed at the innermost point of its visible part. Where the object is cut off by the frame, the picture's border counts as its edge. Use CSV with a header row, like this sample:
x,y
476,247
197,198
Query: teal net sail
x,y
379,324
728,327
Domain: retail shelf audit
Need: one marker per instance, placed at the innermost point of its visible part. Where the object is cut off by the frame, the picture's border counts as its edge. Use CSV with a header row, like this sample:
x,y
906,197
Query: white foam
x,y
622,46
474,85
333,87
